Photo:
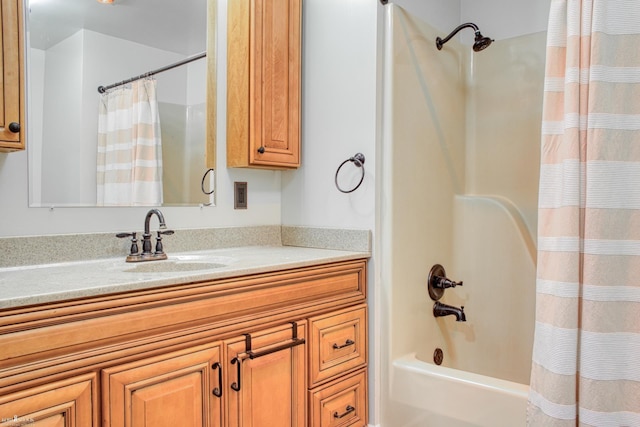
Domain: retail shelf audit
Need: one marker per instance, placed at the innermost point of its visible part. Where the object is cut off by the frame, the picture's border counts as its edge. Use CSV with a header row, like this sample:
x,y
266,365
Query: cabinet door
x,y
266,386
11,77
67,403
263,85
177,389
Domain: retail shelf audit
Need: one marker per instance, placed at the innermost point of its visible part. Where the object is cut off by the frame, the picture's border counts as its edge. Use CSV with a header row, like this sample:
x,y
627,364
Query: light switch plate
x,y
240,195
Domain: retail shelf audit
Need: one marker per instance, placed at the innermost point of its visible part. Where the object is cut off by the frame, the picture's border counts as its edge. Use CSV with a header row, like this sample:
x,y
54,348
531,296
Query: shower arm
x,y
440,42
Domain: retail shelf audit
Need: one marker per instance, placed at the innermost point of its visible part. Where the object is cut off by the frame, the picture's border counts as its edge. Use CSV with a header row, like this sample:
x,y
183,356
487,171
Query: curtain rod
x,y
103,89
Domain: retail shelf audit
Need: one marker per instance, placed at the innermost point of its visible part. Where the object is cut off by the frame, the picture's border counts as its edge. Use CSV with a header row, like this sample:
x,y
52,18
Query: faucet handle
x,y
437,282
159,248
444,283
134,241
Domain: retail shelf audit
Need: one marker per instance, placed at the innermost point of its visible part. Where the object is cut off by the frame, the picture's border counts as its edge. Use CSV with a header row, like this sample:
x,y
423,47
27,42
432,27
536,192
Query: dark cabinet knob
x,y
261,150
14,127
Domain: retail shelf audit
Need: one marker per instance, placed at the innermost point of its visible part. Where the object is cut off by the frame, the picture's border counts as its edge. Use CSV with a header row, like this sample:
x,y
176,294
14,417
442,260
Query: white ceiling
x,y
173,25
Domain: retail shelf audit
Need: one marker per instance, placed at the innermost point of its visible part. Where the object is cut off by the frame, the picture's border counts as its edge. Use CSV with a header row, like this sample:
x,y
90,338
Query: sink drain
x,y
438,356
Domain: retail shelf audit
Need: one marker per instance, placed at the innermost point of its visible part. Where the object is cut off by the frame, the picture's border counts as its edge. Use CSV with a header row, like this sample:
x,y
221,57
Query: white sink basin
x,y
178,263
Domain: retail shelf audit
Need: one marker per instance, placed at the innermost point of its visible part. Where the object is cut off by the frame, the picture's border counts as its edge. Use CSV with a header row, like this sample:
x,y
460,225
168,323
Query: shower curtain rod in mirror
x,y
103,89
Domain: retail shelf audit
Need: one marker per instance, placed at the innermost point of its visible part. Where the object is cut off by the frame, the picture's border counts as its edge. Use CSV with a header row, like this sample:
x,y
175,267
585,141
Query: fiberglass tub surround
x,y
461,159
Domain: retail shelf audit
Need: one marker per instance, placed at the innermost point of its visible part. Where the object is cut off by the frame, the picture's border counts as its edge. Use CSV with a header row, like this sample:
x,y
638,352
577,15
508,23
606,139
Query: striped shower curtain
x,y
129,161
586,357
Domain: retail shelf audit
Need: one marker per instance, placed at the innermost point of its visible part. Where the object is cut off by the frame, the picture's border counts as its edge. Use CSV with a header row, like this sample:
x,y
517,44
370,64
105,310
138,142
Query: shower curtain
x,y
129,161
586,356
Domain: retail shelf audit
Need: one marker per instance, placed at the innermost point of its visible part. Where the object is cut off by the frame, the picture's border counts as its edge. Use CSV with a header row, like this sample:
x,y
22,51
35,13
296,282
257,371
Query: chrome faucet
x,y
440,310
147,254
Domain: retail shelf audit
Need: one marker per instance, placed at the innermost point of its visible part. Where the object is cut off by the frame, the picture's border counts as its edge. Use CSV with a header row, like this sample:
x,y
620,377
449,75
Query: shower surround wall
x,y
460,173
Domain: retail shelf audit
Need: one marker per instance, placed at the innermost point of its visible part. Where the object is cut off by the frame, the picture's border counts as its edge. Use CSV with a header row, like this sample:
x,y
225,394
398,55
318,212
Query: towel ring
x,y
358,160
204,178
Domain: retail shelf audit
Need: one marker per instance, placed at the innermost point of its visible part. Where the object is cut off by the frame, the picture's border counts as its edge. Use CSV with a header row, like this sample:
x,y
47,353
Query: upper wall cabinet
x,y
11,77
263,83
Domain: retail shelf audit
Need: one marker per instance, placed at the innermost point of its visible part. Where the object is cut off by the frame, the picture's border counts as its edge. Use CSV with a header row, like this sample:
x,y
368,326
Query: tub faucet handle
x,y
444,282
437,282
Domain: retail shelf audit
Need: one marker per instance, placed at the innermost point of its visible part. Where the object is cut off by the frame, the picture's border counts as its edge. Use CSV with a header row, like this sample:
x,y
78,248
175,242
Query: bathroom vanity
x,y
277,342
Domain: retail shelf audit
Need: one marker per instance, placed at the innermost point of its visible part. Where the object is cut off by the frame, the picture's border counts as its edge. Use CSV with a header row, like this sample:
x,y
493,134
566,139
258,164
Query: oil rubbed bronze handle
x,y
217,392
261,150
14,127
347,343
236,386
290,344
295,341
349,409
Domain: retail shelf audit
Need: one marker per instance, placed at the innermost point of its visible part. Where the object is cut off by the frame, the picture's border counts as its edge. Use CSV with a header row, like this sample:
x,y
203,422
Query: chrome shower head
x,y
480,43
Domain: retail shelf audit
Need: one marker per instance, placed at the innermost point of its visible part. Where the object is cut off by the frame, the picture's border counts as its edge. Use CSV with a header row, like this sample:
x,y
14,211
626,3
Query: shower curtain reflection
x,y
129,160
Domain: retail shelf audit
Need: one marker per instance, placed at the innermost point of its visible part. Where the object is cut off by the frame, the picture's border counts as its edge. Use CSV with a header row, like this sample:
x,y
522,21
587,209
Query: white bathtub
x,y
448,397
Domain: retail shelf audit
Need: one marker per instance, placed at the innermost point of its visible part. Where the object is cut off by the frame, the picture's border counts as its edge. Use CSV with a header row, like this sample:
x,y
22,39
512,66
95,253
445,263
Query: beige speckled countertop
x,y
37,284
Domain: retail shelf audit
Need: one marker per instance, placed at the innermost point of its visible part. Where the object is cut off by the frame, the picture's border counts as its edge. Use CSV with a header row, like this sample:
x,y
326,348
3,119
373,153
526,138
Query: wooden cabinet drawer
x,y
337,343
340,403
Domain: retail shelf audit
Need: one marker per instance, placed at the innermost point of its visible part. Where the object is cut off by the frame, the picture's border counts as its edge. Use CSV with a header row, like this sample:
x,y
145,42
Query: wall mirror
x,y
75,46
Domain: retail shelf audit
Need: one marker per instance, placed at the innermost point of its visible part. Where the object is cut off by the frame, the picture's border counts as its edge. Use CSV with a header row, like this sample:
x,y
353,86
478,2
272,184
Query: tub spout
x,y
440,310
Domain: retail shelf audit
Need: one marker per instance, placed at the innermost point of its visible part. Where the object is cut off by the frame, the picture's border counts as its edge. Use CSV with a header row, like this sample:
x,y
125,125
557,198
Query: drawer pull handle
x,y
346,344
236,385
217,392
295,341
349,409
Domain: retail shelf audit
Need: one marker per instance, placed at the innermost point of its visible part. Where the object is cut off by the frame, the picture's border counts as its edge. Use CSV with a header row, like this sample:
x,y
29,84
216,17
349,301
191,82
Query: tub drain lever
x,y
437,282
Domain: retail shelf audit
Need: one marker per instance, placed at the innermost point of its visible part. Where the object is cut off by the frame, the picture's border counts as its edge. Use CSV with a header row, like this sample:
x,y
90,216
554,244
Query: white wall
x,y
62,118
443,15
338,116
502,19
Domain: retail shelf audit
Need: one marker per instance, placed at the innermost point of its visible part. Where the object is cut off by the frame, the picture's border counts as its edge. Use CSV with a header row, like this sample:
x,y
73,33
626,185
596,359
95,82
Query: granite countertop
x,y
46,283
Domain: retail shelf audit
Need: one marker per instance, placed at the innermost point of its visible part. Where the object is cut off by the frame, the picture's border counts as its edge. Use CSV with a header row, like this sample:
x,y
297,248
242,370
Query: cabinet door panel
x,y
11,76
263,85
164,391
276,75
67,403
183,395
271,387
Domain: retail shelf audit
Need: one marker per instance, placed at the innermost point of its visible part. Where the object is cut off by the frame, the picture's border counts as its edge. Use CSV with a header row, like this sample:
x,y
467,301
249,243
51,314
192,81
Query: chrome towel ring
x,y
358,160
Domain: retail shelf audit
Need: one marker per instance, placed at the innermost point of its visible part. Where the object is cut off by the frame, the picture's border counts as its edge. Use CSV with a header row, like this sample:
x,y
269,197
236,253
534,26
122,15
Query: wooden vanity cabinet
x,y
266,386
11,77
337,368
263,83
67,403
179,388
281,349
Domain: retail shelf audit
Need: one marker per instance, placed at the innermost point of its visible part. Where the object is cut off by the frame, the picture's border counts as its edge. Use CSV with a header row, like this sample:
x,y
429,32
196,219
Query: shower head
x,y
480,43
